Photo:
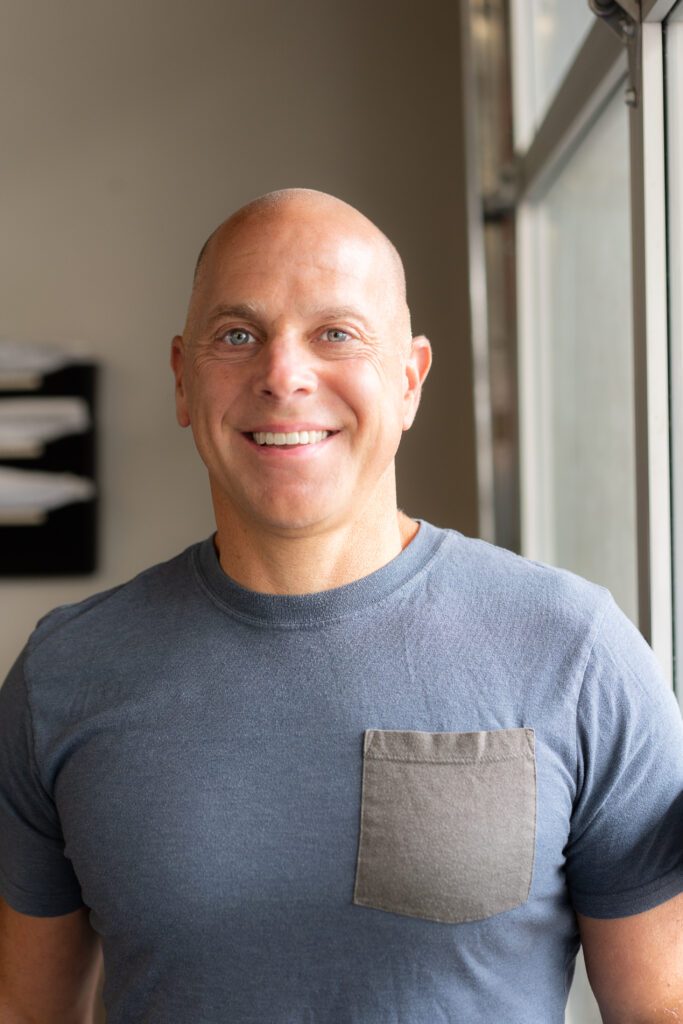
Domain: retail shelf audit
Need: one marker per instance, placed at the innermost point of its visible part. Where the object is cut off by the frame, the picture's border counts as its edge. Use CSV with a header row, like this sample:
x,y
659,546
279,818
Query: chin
x,y
303,510
301,515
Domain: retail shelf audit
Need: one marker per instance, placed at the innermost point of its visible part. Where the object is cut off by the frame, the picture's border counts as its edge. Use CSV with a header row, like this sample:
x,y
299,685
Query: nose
x,y
285,368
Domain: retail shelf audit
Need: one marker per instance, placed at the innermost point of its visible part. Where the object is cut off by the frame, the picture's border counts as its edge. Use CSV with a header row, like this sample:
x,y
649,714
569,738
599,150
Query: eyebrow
x,y
243,311
335,312
251,311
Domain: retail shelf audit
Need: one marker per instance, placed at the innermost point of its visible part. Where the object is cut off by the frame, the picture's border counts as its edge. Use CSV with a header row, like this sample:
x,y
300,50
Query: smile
x,y
292,437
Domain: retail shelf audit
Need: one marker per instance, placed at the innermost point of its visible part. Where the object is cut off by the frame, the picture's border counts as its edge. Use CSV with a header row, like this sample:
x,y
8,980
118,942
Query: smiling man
x,y
298,374
332,765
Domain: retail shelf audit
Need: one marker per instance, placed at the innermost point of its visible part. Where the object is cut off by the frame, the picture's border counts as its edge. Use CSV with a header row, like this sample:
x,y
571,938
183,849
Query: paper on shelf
x,y
26,494
26,424
23,364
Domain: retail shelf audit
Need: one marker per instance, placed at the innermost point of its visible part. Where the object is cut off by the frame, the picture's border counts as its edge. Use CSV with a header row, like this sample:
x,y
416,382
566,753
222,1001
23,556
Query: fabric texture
x,y
188,759
448,823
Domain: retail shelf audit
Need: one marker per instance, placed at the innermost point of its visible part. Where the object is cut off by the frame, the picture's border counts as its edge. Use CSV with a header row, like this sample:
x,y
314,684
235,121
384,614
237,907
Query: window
x,y
576,361
674,147
547,35
585,188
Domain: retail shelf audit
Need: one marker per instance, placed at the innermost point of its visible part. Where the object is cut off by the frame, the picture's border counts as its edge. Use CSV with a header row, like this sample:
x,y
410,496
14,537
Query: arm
x,y
49,968
635,964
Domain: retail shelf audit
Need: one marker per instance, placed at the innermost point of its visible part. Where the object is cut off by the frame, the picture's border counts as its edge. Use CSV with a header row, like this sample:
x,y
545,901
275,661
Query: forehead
x,y
302,246
293,261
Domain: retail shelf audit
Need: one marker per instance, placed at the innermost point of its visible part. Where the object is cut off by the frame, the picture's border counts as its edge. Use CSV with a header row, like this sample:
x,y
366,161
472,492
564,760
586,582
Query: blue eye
x,y
336,334
237,336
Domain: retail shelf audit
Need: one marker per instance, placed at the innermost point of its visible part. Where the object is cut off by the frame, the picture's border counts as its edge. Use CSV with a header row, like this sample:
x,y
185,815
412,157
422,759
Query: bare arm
x,y
49,968
635,965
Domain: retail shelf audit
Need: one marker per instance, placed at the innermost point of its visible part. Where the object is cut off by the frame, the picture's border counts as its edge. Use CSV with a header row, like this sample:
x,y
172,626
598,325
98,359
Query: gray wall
x,y
128,130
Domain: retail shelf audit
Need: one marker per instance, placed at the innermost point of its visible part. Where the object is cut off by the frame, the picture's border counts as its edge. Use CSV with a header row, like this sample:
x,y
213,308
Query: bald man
x,y
332,764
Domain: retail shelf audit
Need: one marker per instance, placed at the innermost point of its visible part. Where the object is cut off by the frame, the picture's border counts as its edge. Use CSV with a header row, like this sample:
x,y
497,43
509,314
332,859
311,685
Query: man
x,y
333,765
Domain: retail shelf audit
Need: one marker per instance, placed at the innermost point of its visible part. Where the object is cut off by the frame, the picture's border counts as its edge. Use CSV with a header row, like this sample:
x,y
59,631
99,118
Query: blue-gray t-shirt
x,y
380,804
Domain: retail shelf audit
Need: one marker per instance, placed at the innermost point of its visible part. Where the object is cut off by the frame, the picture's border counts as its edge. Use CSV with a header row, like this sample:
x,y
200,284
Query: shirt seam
x,y
45,629
599,623
451,760
31,722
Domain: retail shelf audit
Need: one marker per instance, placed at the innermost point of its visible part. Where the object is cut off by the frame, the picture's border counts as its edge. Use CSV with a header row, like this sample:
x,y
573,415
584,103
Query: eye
x,y
237,336
336,334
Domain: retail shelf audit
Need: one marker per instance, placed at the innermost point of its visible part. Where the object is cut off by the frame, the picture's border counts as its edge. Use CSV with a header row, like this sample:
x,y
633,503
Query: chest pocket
x,y
448,823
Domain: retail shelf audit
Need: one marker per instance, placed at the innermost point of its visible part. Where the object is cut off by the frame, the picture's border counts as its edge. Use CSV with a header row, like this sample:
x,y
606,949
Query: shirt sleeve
x,y
36,877
625,850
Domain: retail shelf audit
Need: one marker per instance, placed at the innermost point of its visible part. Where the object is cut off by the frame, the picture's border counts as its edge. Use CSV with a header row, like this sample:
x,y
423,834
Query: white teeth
x,y
291,437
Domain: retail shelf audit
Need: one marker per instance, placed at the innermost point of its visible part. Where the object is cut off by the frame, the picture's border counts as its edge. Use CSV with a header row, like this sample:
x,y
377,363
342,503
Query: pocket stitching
x,y
370,745
451,760
395,909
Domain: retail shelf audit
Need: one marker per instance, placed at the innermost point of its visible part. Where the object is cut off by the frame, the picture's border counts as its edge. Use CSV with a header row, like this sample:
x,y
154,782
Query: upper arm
x,y
49,967
635,964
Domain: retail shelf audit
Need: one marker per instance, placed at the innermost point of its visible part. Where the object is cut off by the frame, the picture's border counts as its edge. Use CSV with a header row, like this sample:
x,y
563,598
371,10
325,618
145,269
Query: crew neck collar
x,y
291,610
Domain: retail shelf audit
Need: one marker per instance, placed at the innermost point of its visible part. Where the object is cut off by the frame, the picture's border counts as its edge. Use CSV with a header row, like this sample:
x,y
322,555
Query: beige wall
x,y
129,129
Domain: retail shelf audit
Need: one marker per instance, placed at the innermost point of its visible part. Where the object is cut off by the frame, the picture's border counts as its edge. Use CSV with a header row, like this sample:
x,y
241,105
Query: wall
x,y
129,130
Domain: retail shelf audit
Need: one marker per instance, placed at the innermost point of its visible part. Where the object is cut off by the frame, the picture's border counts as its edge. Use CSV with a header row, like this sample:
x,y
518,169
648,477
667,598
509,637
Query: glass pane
x,y
584,473
559,29
549,34
674,157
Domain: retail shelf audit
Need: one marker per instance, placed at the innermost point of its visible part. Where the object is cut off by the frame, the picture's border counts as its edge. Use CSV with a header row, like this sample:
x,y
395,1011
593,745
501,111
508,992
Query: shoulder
x,y
114,615
505,588
532,607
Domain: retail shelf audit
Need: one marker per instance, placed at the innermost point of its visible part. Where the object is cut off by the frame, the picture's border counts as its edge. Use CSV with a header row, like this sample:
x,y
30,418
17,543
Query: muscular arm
x,y
49,968
635,965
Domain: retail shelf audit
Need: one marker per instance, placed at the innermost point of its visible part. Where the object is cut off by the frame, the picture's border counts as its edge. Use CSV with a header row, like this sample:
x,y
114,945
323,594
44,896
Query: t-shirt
x,y
378,804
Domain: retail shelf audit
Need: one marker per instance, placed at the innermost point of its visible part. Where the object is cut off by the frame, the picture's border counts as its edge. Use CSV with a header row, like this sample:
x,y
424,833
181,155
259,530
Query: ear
x,y
418,361
178,366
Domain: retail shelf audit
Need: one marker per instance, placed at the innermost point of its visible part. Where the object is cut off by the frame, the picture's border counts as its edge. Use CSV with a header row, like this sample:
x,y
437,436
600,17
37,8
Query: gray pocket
x,y
448,823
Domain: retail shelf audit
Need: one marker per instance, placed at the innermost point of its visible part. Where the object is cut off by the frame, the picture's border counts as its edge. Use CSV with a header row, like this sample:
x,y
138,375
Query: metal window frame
x,y
651,349
656,10
478,311
593,75
673,78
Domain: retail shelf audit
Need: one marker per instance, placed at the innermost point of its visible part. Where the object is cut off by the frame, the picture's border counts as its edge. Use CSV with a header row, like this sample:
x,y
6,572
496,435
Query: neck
x,y
305,563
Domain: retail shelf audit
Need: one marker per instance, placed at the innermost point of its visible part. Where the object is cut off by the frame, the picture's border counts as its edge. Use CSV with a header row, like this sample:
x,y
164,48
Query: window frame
x,y
594,73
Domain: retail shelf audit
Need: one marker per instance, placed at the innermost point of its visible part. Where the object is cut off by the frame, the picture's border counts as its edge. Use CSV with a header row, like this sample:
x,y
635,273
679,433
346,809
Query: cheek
x,y
212,393
376,399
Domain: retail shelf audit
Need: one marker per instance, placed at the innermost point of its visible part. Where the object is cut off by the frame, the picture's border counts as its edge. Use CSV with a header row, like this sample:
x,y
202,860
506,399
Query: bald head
x,y
312,208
